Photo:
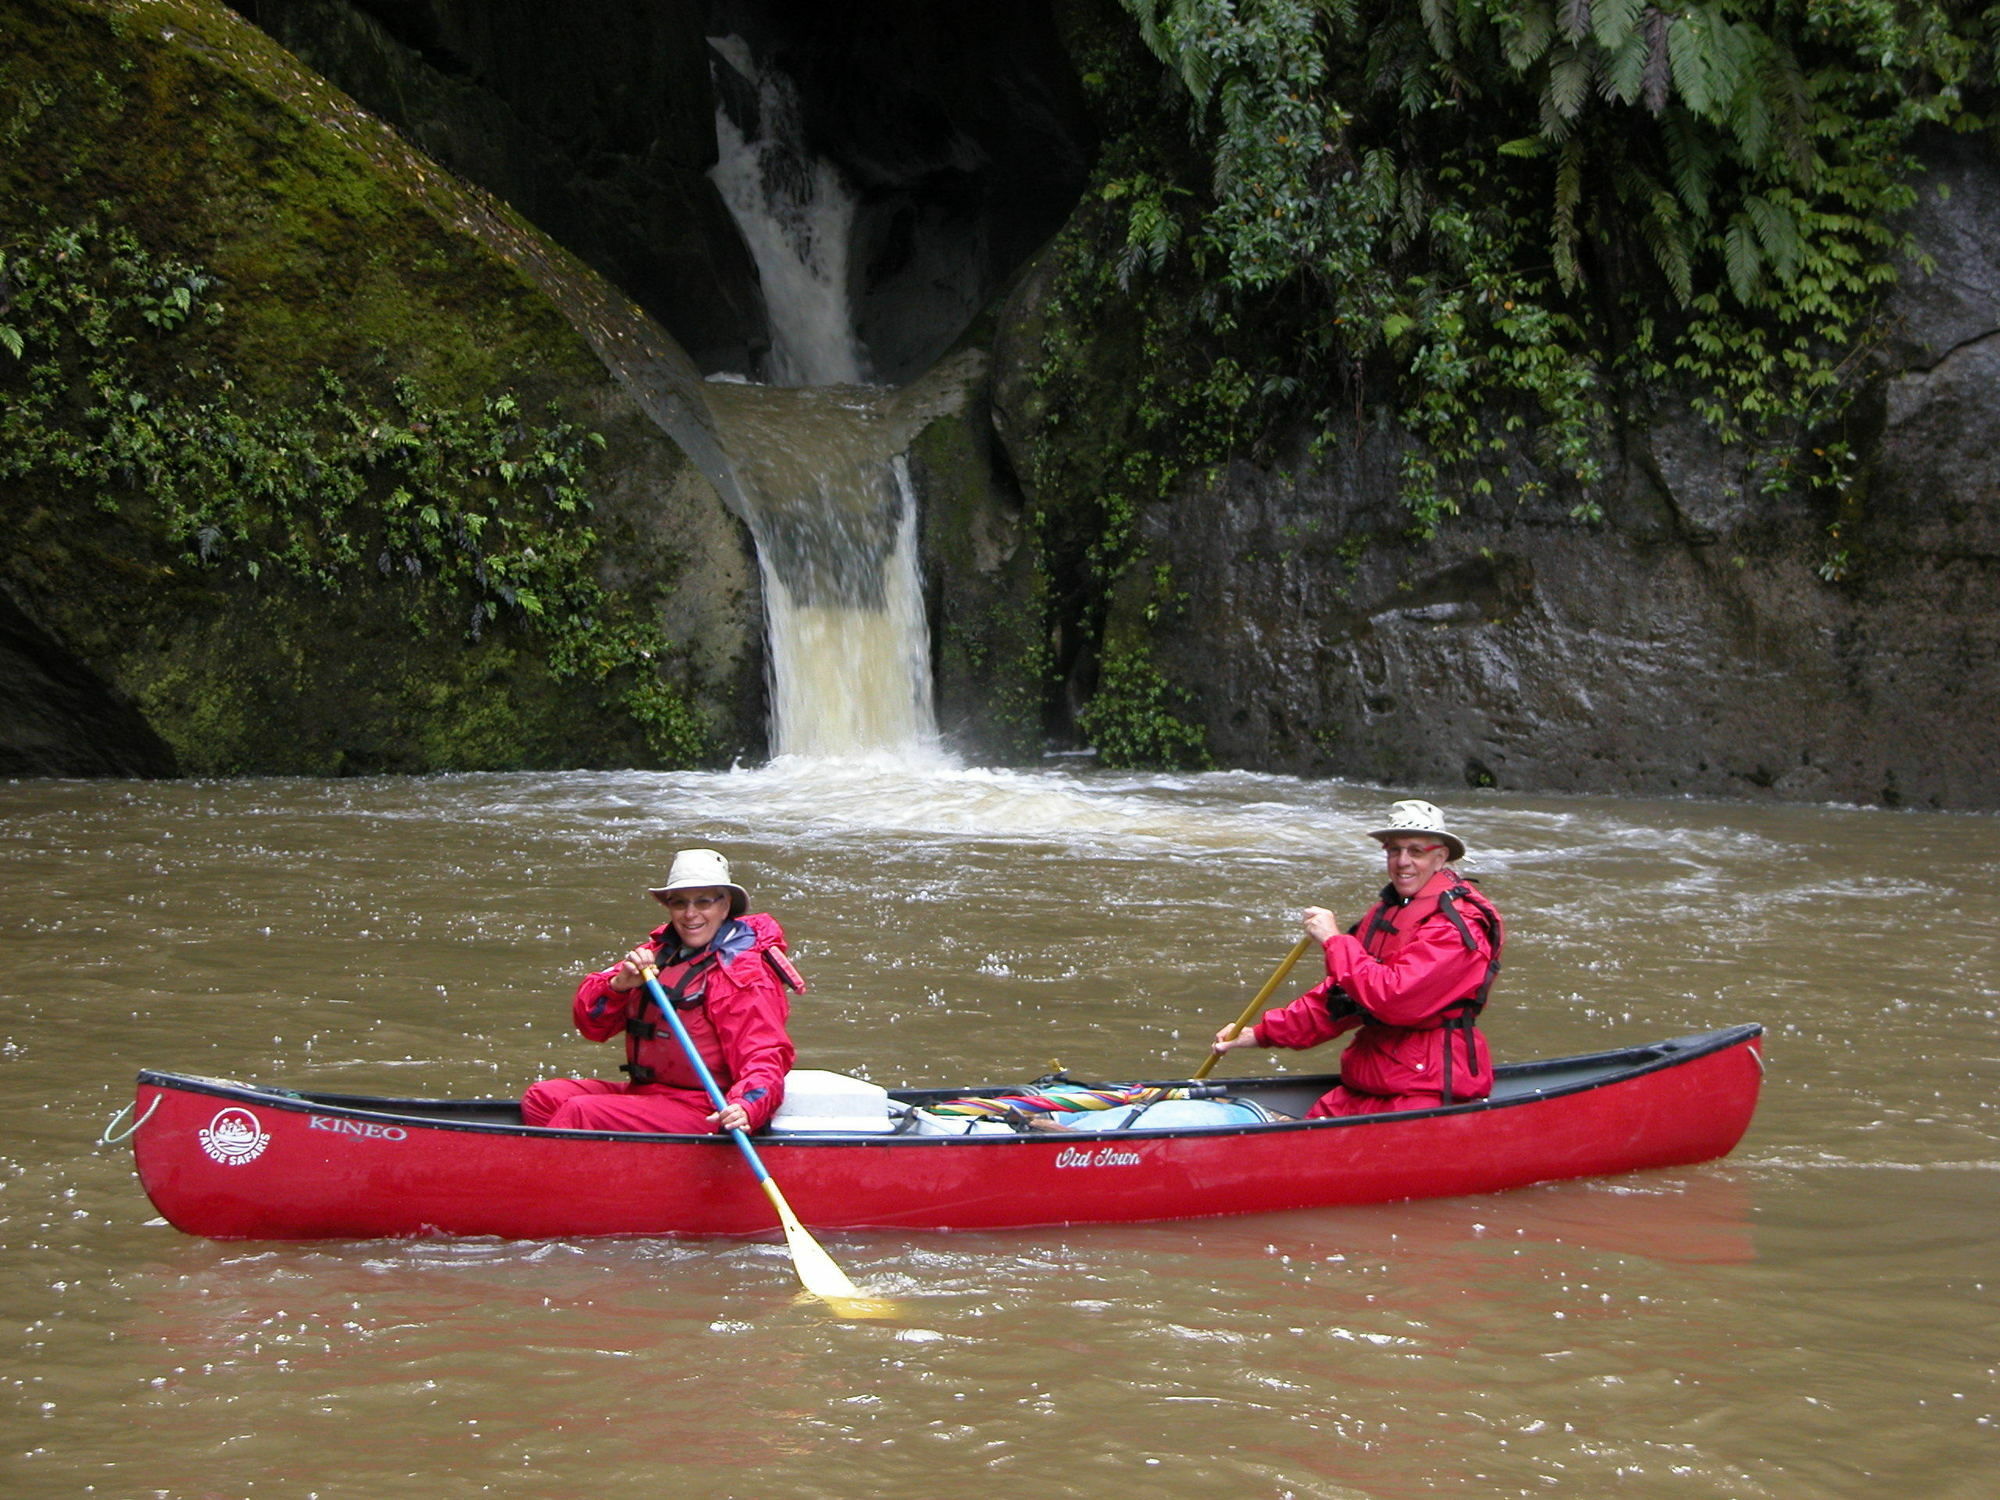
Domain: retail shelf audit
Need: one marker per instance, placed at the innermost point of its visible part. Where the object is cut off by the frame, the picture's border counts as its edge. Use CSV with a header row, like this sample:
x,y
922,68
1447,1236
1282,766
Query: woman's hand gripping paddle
x,y
1250,1011
817,1272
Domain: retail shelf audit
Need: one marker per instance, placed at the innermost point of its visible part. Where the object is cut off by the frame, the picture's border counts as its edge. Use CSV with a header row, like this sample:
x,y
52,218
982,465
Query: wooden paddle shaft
x,y
1250,1011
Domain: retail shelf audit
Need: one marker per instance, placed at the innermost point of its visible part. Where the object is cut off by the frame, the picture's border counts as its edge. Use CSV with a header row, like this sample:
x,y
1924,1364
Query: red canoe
x,y
233,1161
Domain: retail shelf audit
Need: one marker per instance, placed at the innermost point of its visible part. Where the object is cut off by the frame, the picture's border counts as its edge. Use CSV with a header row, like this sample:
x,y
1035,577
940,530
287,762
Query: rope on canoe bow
x,y
108,1139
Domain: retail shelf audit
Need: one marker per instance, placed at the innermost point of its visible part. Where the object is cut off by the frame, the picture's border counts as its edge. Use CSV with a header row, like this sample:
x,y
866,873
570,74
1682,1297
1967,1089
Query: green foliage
x,y
476,515
1132,719
1132,397
1441,190
1524,220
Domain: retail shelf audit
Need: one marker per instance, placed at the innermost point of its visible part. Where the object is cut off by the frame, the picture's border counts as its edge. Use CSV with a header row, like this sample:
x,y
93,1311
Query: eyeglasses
x,y
694,903
1392,850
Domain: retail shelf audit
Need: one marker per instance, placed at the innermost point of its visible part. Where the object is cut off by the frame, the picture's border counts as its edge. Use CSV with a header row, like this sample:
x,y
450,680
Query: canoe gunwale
x,y
1599,1070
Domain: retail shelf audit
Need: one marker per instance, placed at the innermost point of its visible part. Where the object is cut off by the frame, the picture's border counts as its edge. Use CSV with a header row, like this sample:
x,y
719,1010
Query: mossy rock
x,y
336,253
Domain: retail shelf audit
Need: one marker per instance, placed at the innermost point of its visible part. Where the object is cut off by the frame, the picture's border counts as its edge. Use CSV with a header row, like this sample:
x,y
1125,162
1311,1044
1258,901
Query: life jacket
x,y
682,978
682,985
1391,924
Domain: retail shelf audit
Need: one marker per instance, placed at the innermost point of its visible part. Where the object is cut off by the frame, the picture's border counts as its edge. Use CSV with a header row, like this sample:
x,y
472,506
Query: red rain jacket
x,y
738,1028
1409,972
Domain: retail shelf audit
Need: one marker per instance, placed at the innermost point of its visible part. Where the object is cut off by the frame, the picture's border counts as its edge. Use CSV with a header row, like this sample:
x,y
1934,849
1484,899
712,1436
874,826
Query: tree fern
x,y
1613,22
1567,90
1563,233
1741,258
1777,234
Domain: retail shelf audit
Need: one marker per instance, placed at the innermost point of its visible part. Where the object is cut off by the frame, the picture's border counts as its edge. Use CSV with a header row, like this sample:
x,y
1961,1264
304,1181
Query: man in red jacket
x,y
725,974
1409,978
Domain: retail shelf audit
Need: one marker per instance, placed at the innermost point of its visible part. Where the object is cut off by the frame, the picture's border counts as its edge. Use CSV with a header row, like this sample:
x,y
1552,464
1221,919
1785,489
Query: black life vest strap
x,y
1460,1022
1448,904
638,1029
1460,1025
1383,904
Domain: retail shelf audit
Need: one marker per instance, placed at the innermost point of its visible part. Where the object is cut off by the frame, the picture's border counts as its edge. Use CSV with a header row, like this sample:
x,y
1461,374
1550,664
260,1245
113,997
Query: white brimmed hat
x,y
698,869
1420,818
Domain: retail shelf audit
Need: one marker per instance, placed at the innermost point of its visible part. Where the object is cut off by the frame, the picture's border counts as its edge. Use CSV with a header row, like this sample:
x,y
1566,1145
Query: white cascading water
x,y
797,217
833,514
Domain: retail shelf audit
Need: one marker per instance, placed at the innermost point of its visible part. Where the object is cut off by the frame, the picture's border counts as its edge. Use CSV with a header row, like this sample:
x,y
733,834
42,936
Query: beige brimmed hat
x,y
1421,818
697,869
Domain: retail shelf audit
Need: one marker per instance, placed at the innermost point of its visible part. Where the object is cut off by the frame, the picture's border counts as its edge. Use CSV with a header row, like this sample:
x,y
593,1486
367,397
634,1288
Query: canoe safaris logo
x,y
234,1137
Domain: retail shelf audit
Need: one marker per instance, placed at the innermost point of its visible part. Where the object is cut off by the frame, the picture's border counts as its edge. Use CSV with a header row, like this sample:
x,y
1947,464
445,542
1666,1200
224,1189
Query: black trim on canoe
x,y
1513,1084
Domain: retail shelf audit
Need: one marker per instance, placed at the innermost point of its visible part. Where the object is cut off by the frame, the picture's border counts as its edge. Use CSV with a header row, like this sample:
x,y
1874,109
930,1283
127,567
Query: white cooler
x,y
819,1102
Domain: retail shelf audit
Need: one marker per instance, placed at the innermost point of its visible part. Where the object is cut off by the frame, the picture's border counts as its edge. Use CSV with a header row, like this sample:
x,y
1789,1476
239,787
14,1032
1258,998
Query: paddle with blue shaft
x,y
1250,1011
817,1272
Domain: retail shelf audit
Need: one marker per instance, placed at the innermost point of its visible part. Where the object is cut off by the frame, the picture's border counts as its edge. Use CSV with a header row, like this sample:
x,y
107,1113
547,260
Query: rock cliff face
x,y
60,717
336,259
1702,639
958,126
960,129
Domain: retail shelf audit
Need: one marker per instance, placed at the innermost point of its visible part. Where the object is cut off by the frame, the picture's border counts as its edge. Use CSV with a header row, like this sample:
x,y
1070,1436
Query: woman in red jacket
x,y
725,974
1409,978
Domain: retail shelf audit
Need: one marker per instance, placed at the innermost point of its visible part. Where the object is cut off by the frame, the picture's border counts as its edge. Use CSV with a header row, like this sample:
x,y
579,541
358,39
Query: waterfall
x,y
797,217
829,499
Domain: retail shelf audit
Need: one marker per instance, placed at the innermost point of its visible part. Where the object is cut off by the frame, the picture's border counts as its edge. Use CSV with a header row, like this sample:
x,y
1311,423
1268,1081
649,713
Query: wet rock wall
x,y
1705,638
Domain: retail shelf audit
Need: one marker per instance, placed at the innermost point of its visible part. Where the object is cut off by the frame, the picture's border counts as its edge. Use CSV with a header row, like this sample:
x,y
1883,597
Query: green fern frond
x,y
1153,30
1777,233
1691,159
1751,123
1567,89
1615,22
1732,61
1667,236
1689,55
1741,258
1623,75
1440,26
1524,41
1345,14
1563,237
1414,204
1788,97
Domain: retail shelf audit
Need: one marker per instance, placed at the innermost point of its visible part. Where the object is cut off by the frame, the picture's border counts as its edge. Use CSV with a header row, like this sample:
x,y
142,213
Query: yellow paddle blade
x,y
817,1272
